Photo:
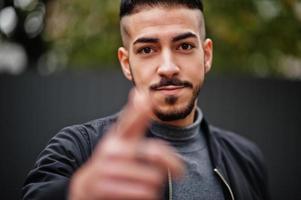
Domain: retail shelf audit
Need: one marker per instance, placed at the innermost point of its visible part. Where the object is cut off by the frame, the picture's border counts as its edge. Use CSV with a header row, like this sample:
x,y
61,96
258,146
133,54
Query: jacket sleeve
x,y
262,173
55,165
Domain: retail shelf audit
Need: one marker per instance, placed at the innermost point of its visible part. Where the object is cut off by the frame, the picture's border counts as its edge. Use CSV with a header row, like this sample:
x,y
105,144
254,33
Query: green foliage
x,y
259,37
86,32
254,36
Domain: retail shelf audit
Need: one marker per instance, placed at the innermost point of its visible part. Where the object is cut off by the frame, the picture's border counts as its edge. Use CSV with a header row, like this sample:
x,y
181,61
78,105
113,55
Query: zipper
x,y
225,182
169,185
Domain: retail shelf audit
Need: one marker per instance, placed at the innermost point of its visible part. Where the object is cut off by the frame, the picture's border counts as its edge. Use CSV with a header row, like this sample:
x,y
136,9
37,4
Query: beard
x,y
178,113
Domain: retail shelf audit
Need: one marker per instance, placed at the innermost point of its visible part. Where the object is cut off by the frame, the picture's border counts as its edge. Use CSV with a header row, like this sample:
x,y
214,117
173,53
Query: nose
x,y
168,68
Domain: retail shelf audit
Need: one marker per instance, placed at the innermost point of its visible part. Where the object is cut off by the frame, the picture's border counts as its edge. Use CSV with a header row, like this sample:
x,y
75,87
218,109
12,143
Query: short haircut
x,y
127,7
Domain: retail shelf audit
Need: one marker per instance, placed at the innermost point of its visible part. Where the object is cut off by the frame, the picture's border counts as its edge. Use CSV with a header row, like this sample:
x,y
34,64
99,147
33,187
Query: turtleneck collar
x,y
185,139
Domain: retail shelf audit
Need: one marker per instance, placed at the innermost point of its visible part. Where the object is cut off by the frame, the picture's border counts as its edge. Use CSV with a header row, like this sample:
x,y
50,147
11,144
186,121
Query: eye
x,y
185,46
145,50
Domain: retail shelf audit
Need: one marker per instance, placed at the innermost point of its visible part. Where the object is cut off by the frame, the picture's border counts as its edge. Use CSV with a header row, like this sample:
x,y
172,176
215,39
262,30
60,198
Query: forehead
x,y
157,21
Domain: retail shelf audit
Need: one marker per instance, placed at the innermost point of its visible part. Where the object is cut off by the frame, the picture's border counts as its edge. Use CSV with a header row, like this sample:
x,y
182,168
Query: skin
x,y
116,170
126,165
168,48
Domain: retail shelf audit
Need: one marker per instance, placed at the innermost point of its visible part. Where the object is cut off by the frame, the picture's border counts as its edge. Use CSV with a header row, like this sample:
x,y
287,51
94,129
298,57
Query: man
x,y
161,134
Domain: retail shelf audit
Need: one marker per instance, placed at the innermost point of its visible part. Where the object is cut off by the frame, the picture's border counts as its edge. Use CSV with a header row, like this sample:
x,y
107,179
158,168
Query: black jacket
x,y
237,162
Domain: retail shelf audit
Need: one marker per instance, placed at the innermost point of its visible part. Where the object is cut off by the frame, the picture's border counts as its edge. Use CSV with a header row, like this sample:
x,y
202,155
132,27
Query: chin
x,y
174,112
175,107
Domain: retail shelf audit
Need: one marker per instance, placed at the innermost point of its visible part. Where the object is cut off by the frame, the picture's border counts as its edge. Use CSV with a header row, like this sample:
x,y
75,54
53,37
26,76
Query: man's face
x,y
166,57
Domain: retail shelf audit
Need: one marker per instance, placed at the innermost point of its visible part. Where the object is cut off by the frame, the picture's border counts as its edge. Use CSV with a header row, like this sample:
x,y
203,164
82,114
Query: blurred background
x,y
254,37
58,66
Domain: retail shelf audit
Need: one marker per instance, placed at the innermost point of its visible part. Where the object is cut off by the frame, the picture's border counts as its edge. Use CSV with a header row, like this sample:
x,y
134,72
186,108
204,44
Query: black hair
x,y
127,7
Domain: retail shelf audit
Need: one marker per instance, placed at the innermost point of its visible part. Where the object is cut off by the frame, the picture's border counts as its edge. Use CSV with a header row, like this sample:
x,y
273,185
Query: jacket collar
x,y
212,143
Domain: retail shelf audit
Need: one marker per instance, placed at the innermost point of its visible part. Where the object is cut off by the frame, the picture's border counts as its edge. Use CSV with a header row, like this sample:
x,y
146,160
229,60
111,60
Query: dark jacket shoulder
x,y
235,142
63,155
241,162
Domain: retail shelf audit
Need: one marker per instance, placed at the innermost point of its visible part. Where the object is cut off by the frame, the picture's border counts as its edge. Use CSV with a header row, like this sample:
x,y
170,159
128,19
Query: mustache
x,y
171,82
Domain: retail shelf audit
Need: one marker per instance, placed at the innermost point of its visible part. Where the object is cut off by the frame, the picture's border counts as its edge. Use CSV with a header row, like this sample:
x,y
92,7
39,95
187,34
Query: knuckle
x,y
156,152
156,177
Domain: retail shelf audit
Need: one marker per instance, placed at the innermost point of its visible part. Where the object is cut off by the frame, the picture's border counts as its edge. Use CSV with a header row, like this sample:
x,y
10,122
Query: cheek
x,y
143,72
193,69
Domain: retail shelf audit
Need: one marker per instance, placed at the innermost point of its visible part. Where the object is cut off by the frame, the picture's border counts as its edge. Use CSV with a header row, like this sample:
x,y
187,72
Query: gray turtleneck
x,y
199,181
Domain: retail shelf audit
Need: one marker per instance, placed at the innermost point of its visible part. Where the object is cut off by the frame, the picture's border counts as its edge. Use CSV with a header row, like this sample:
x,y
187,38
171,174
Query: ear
x,y
123,57
208,54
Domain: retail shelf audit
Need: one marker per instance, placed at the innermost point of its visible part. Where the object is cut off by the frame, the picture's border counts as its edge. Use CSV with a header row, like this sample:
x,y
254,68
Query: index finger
x,y
134,118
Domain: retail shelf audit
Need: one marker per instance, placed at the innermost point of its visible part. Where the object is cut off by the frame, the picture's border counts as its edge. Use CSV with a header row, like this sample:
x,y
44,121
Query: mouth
x,y
170,90
170,87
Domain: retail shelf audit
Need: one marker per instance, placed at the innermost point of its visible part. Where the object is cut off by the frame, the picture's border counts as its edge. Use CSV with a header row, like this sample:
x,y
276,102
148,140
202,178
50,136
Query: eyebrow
x,y
146,40
175,39
184,36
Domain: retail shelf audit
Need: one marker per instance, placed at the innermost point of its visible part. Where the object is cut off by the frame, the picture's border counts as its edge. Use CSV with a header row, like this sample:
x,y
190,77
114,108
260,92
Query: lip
x,y
170,87
170,90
